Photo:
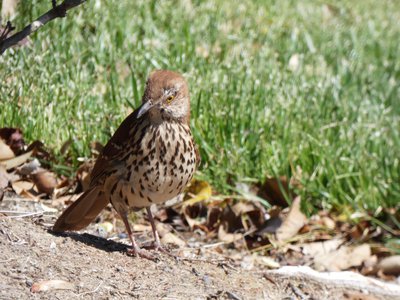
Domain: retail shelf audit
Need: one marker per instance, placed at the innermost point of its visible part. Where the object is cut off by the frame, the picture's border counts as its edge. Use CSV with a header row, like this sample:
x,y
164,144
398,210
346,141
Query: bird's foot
x,y
138,252
160,248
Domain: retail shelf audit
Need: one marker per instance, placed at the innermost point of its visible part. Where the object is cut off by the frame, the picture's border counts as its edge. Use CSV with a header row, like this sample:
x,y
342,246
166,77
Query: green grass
x,y
336,117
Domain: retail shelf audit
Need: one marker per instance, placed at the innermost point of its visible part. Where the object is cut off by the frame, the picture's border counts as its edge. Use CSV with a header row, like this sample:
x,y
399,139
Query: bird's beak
x,y
144,108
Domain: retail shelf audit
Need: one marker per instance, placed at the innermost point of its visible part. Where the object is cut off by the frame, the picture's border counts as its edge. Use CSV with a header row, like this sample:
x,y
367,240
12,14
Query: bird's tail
x,y
83,211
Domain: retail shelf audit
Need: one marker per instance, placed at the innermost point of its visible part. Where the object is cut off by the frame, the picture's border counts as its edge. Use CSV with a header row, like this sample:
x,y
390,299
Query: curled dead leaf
x,y
21,186
48,285
45,181
294,221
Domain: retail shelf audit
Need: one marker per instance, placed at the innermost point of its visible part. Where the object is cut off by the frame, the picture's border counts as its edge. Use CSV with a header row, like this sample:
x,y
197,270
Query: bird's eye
x,y
170,98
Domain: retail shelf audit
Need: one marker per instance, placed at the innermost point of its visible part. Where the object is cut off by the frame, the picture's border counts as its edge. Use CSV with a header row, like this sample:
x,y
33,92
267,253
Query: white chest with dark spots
x,y
159,167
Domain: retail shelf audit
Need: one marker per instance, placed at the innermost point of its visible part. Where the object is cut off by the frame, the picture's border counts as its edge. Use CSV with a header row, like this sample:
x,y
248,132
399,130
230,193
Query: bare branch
x,y
58,11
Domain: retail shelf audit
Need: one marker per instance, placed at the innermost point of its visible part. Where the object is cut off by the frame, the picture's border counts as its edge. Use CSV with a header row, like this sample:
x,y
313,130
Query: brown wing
x,y
112,154
84,210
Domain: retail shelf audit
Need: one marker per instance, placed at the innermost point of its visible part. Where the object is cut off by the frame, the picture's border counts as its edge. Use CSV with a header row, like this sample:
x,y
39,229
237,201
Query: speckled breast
x,y
160,165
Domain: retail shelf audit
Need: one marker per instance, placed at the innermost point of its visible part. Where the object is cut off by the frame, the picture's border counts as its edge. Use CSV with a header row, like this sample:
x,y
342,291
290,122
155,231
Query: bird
x,y
149,160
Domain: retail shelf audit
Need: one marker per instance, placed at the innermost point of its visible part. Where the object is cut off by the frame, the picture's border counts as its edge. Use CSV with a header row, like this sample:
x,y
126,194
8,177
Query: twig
x,y
20,214
93,291
58,11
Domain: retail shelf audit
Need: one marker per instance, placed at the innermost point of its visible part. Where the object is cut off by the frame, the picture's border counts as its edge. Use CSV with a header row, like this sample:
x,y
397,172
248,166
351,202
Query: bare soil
x,y
98,268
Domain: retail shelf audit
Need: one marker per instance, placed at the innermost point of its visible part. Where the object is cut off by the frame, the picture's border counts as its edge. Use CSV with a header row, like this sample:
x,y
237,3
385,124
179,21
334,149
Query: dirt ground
x,y
97,268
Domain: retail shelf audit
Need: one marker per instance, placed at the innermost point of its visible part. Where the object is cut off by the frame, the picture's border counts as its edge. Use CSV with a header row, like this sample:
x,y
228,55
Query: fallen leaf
x,y
228,237
343,258
22,185
294,221
4,181
195,215
45,181
321,248
198,191
242,207
267,262
213,218
5,151
167,237
48,285
328,222
16,161
390,265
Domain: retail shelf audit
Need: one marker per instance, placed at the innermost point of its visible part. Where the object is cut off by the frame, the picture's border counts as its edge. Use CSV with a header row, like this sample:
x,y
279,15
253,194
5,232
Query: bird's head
x,y
166,97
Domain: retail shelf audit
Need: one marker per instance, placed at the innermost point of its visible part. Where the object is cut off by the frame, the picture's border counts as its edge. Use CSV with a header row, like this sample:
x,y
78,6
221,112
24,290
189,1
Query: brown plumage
x,y
149,159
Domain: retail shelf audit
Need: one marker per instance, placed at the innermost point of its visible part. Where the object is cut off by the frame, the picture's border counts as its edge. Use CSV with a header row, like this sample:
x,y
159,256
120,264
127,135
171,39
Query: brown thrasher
x,y
149,159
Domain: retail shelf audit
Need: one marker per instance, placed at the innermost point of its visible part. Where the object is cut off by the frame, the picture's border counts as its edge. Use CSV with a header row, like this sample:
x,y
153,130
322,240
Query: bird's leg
x,y
157,242
136,250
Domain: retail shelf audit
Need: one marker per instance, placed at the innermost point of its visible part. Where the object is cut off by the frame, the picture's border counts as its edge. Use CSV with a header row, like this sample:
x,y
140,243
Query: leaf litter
x,y
201,223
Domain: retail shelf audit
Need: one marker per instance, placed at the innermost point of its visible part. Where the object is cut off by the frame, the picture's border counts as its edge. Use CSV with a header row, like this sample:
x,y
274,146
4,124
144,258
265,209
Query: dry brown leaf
x,y
343,258
320,248
22,185
4,181
228,237
167,237
390,265
29,195
45,181
328,222
16,161
242,207
5,151
294,221
48,285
